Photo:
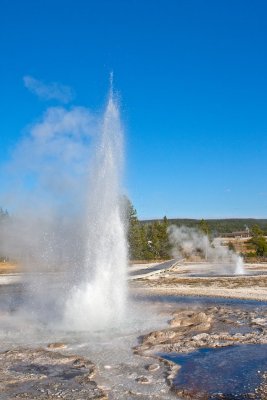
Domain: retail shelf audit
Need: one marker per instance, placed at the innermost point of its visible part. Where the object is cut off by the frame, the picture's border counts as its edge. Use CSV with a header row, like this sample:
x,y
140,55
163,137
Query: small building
x,y
236,235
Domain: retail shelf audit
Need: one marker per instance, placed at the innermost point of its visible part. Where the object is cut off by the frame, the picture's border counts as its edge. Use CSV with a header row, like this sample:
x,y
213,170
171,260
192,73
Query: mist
x,y
55,208
191,243
46,188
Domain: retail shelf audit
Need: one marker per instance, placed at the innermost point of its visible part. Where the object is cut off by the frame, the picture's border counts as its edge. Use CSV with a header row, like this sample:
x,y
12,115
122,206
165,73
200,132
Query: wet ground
x,y
41,374
42,360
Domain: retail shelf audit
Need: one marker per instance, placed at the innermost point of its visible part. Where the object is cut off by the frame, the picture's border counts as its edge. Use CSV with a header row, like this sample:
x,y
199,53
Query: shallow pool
x,y
233,371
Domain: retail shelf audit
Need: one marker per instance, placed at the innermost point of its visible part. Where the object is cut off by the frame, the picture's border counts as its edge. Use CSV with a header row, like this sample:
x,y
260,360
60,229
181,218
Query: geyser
x,y
98,300
67,226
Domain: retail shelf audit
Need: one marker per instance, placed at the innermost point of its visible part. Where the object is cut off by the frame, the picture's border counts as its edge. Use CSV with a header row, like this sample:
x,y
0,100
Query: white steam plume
x,y
50,91
187,242
46,183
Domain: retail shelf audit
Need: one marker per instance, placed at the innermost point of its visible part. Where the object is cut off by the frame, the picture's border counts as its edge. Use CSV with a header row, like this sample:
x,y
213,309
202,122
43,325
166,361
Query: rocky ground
x,y
42,374
209,327
194,327
135,368
52,373
27,373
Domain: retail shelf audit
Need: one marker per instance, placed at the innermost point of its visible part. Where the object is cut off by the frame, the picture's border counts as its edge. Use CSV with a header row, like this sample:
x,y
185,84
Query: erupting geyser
x,y
74,226
98,300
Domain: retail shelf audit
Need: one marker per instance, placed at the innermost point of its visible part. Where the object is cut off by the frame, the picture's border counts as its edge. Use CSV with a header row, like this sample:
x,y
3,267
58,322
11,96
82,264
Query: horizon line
x,y
200,218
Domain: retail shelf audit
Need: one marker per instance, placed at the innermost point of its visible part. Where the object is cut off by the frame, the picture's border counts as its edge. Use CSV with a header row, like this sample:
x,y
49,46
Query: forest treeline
x,y
218,226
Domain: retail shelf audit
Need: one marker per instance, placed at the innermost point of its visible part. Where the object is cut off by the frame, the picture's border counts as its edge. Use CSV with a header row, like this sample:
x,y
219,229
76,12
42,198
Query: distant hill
x,y
218,226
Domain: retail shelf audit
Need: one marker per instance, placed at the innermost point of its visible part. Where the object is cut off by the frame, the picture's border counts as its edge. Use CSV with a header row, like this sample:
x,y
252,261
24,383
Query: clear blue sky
x,y
192,75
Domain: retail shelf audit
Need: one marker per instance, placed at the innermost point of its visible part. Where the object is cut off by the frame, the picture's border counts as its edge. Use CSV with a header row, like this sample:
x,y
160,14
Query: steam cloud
x,y
46,187
47,194
187,242
51,91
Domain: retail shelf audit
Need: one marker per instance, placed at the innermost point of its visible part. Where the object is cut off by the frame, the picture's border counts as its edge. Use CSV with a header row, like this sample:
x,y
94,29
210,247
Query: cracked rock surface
x,y
41,374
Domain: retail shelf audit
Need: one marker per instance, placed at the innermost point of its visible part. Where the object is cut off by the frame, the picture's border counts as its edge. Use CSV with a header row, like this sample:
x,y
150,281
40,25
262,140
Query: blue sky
x,y
192,78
